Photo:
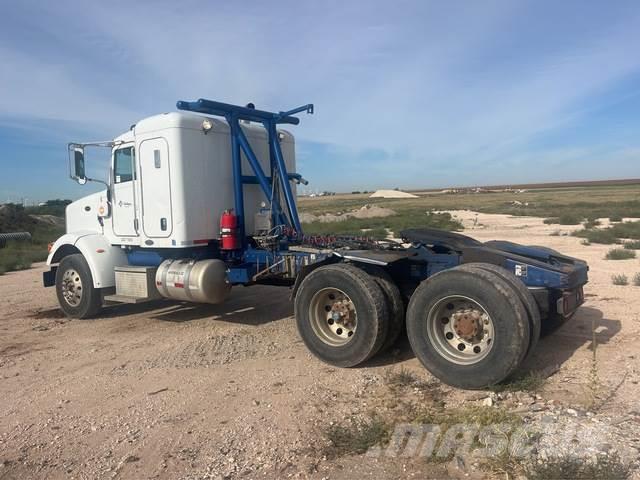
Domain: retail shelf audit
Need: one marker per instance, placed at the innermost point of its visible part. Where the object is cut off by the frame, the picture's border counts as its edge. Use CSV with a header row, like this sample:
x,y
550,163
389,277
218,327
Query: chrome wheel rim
x,y
72,287
333,316
460,330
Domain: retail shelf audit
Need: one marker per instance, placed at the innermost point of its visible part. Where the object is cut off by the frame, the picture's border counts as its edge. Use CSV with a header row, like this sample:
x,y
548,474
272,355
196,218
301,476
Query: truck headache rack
x,y
278,176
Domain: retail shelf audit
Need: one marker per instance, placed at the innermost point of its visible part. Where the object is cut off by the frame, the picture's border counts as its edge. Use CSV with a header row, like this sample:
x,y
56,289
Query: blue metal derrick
x,y
247,263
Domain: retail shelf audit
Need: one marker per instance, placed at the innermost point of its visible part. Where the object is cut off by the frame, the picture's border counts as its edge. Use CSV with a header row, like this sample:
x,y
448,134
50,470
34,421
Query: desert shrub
x,y
619,279
604,468
620,254
615,218
355,436
636,279
633,245
605,236
627,230
591,223
531,381
400,378
612,234
567,218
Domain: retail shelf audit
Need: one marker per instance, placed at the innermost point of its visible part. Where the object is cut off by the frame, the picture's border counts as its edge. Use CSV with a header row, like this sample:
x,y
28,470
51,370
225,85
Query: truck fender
x,y
101,256
307,269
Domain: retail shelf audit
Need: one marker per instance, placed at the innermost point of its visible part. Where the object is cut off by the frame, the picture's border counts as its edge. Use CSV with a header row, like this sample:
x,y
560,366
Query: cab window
x,y
123,168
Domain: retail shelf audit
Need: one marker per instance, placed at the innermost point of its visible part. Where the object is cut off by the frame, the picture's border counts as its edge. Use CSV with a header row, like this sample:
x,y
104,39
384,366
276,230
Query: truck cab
x,y
171,178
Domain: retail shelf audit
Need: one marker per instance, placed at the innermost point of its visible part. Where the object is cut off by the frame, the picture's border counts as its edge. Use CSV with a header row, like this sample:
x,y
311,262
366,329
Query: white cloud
x,y
445,84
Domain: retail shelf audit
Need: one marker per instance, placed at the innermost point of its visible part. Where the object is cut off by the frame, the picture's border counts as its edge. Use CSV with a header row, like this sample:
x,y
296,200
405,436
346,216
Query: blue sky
x,y
408,94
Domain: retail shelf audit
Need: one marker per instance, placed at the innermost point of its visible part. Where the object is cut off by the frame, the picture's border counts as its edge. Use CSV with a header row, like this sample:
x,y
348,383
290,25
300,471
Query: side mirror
x,y
78,163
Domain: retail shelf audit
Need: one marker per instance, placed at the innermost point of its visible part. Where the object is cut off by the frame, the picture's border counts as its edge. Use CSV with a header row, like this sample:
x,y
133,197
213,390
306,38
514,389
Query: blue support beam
x,y
254,162
284,178
238,192
220,109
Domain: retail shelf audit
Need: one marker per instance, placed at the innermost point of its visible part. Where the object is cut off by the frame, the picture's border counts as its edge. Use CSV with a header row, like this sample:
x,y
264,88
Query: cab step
x,y
134,285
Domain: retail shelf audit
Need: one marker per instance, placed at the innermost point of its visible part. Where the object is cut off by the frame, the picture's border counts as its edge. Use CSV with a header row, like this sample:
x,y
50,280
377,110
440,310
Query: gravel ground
x,y
186,391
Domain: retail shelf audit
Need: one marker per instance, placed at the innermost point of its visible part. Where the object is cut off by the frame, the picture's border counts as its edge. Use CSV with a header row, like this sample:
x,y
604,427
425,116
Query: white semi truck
x,y
202,199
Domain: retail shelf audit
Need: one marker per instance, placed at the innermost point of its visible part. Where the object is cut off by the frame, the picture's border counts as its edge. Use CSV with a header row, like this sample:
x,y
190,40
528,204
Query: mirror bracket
x,y
76,163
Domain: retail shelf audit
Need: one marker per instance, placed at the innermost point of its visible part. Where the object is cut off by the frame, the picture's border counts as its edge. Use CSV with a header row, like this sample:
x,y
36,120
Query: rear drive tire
x,y
77,296
395,304
341,314
525,297
467,327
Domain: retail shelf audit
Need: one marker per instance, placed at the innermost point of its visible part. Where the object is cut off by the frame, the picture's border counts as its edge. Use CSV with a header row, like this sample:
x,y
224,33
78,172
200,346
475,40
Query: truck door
x,y
155,185
123,201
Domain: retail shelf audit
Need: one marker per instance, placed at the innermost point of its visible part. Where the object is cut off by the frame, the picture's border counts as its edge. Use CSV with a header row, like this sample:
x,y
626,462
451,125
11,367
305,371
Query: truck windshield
x,y
123,169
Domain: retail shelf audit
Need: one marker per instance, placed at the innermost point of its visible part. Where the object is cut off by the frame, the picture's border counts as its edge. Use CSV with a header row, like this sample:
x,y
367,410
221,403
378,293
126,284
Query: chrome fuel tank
x,y
202,281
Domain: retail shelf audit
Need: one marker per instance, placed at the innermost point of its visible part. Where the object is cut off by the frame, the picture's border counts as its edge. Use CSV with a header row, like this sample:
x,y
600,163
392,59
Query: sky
x,y
408,94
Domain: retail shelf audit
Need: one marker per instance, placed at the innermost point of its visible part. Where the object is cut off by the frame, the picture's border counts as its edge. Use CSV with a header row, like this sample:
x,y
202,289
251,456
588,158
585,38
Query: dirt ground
x,y
185,391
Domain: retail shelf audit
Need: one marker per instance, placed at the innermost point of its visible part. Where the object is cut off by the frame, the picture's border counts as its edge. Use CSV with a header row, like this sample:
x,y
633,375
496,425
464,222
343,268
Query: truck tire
x,y
395,304
77,296
341,314
523,293
467,327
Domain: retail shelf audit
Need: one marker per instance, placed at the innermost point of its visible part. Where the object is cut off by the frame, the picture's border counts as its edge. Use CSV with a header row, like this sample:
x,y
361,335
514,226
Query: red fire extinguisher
x,y
229,231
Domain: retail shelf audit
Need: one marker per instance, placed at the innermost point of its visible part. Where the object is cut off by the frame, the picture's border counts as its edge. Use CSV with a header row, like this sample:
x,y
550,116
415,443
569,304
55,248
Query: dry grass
x,y
531,381
606,236
400,378
568,218
633,245
604,201
356,436
619,279
20,255
620,254
605,468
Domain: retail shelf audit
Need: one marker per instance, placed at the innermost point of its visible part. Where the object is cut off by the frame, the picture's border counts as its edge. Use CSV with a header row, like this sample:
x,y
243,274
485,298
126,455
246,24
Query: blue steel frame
x,y
239,144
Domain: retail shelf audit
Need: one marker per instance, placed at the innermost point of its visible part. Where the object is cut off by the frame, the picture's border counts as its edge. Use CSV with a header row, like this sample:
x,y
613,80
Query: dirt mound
x,y
49,220
366,211
392,194
13,218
